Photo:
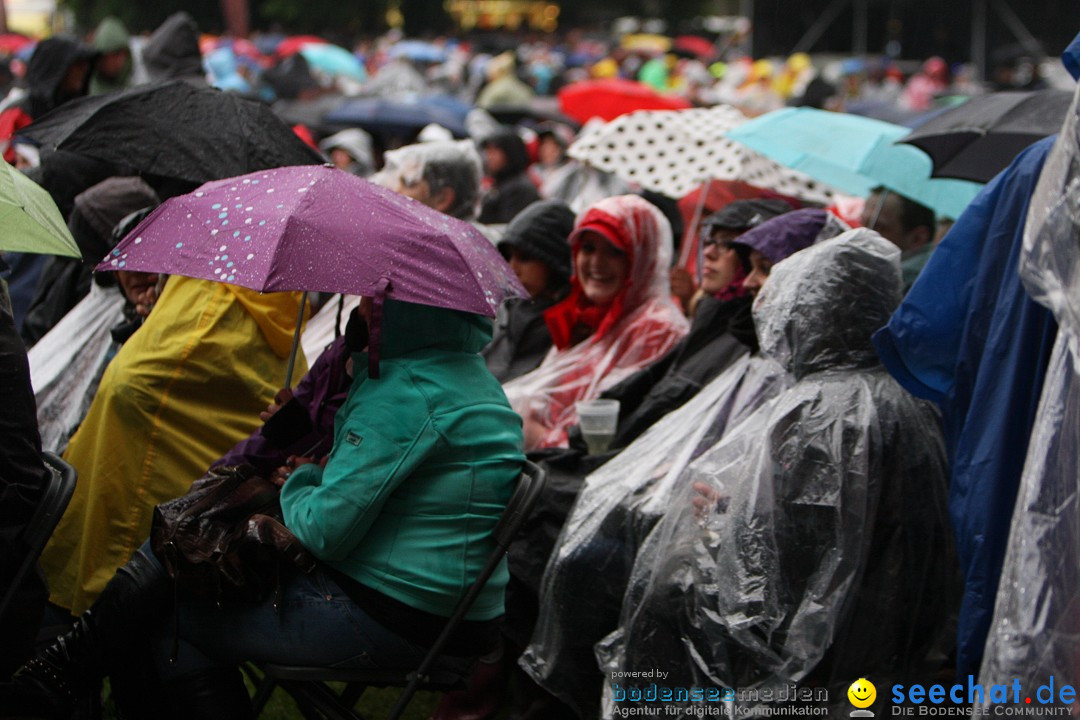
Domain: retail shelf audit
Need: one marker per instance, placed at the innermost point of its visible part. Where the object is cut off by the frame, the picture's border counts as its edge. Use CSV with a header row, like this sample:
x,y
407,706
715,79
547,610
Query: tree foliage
x,y
143,16
322,17
328,17
337,19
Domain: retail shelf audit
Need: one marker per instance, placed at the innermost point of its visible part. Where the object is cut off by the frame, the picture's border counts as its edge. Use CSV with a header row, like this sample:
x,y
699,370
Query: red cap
x,y
601,222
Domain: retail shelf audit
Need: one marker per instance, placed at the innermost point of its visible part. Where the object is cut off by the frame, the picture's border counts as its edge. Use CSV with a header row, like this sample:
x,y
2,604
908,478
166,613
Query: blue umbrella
x,y
401,116
419,51
853,153
333,60
446,102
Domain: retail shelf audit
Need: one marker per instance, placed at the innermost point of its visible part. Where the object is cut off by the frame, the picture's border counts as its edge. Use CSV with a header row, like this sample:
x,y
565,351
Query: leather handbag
x,y
225,539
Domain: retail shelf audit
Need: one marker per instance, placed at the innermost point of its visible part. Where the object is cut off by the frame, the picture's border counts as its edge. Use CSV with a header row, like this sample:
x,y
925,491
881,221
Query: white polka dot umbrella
x,y
674,151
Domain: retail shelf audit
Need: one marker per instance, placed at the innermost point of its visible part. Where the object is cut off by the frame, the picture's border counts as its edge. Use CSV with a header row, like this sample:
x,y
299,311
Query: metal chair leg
x,y
264,688
352,693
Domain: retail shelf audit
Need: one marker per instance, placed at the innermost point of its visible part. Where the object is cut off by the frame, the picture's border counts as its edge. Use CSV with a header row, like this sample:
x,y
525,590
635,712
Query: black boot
x,y
217,694
62,680
135,687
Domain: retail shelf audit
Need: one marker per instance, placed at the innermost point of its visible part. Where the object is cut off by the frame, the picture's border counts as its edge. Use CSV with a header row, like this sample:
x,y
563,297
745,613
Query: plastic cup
x,y
598,420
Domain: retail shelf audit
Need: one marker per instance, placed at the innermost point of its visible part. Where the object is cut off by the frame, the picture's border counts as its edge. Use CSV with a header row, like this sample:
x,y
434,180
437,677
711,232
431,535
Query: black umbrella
x,y
290,78
977,140
536,112
309,112
400,116
176,131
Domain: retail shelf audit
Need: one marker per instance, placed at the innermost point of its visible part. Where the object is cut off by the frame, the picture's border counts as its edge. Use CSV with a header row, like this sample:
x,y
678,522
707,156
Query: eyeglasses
x,y
709,240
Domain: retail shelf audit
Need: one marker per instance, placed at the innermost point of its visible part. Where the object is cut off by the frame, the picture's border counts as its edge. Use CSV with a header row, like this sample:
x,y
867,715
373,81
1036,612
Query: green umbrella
x,y
30,219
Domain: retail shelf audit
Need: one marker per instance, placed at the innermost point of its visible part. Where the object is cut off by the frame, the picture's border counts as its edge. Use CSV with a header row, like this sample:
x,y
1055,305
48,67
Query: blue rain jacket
x,y
968,337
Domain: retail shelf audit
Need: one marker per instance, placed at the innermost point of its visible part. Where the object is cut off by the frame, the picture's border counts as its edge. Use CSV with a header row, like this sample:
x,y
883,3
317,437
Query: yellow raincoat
x,y
181,391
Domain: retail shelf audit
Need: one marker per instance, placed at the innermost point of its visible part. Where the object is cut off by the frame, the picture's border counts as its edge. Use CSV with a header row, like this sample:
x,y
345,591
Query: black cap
x,y
540,232
745,214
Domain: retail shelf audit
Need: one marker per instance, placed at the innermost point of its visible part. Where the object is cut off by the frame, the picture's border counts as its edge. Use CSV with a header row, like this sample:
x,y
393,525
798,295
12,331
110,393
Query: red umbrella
x,y
610,98
718,194
295,43
695,44
11,43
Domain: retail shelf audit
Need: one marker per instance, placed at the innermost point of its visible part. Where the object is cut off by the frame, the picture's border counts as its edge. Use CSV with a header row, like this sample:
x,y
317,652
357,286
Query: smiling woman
x,y
618,317
601,268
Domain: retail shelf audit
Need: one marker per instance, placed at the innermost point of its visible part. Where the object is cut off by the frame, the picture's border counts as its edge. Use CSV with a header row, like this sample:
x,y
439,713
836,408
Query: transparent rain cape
x,y
618,506
810,545
449,163
67,362
1035,633
648,326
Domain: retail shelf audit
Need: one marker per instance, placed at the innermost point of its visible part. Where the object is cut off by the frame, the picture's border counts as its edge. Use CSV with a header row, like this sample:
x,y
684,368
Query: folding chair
x,y
308,686
54,500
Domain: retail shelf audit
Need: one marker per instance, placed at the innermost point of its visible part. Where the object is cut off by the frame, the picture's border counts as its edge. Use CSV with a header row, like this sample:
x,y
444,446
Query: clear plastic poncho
x,y
811,544
579,186
326,325
451,164
395,79
643,328
617,507
67,362
1035,627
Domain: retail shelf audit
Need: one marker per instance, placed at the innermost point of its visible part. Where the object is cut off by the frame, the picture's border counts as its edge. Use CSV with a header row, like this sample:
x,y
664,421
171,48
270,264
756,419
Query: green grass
x,y
375,704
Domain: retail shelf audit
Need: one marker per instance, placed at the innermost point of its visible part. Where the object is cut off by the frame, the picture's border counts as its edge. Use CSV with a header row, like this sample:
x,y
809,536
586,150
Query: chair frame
x,y
307,685
54,500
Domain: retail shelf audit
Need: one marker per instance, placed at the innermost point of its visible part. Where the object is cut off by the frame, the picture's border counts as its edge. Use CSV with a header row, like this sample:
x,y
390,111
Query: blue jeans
x,y
316,624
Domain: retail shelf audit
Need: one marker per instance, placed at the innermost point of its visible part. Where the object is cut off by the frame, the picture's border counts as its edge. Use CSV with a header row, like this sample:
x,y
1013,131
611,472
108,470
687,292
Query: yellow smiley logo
x,y
862,693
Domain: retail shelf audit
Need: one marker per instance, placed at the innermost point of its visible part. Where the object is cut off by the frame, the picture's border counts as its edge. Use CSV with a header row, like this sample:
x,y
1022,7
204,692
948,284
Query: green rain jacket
x,y
425,459
111,36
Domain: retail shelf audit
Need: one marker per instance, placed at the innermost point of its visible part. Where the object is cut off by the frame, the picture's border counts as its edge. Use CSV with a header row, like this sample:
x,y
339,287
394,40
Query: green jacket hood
x,y
408,327
111,35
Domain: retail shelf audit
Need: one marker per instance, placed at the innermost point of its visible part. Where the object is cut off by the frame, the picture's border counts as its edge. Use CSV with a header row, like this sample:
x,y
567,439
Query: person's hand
x,y
141,289
682,286
144,301
534,432
708,500
283,396
279,476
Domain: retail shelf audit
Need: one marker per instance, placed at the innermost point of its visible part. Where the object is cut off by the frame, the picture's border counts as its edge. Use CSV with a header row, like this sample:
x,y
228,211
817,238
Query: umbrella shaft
x,y
295,340
688,236
877,208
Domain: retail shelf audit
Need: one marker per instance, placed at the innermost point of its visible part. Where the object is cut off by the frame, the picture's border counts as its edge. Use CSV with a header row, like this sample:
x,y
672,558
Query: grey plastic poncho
x,y
444,164
619,504
1034,632
66,364
809,545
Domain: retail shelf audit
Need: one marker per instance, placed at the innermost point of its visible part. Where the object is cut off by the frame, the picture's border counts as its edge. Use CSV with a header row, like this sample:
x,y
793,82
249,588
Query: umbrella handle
x,y
688,236
295,340
877,209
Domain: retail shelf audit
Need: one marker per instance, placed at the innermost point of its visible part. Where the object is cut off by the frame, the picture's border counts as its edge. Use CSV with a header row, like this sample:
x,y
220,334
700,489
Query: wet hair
x,y
912,214
460,173
670,207
513,147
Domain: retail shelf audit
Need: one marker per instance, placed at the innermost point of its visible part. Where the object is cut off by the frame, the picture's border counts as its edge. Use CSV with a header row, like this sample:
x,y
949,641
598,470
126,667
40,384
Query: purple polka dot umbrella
x,y
316,228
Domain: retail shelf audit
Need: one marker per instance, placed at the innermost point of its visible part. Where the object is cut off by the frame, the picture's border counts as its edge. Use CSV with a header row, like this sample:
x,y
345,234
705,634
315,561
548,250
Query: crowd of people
x,y
824,411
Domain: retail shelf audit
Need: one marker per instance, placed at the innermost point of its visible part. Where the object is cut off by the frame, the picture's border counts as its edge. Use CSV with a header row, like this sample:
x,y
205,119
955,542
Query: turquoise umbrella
x,y
334,60
853,153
